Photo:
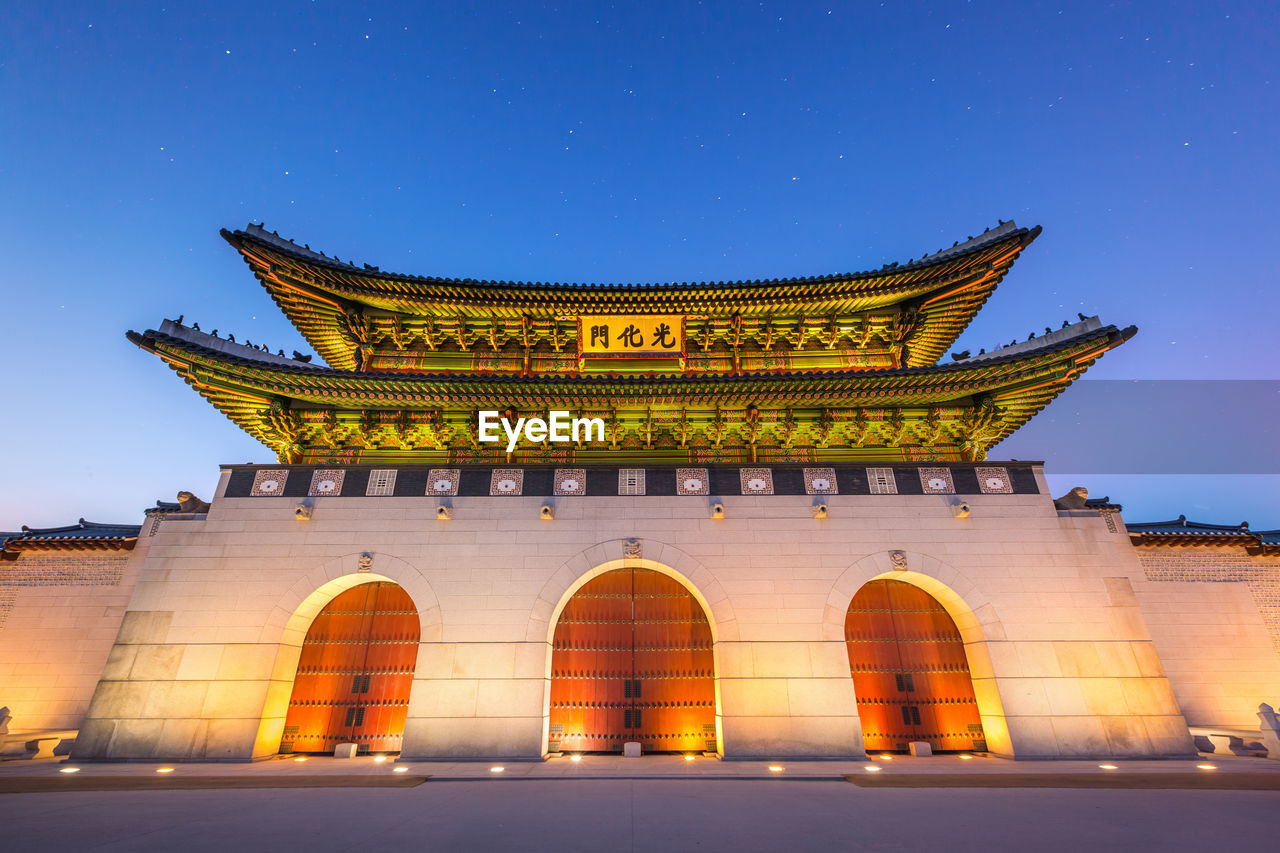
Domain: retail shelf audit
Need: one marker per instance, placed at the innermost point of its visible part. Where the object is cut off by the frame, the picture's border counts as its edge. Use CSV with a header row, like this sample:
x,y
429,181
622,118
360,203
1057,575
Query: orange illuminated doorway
x,y
632,660
355,673
909,670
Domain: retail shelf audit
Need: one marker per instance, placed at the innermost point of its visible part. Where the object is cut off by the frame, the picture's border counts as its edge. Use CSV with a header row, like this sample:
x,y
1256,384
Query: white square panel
x,y
756,481
443,481
692,481
937,481
327,481
820,481
994,481
269,483
506,481
571,481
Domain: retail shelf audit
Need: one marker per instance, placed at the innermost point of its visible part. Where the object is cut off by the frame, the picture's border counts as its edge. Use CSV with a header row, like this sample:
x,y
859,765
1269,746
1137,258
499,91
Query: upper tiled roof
x,y
259,234
942,292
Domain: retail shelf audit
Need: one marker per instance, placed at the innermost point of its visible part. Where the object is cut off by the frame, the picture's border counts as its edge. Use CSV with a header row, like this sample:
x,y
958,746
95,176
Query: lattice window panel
x,y
631,481
881,481
382,482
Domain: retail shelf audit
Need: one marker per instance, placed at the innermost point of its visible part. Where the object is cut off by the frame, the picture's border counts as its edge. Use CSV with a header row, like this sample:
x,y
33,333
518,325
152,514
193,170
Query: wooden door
x,y
631,660
909,670
355,673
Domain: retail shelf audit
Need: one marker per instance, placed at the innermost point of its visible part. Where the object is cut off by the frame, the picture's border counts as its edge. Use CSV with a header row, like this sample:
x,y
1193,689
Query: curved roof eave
x,y
259,235
251,358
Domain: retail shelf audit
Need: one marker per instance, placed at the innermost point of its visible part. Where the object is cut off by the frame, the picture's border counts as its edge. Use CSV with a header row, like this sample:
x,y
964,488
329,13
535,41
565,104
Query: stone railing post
x,y
1269,727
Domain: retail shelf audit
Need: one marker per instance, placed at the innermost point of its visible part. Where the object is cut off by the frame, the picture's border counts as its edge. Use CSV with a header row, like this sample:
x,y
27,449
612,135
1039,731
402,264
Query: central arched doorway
x,y
355,673
910,671
632,660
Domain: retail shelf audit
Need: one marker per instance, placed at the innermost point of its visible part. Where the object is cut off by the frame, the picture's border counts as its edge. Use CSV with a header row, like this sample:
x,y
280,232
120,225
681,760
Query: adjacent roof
x,y
1181,532
82,536
316,292
162,508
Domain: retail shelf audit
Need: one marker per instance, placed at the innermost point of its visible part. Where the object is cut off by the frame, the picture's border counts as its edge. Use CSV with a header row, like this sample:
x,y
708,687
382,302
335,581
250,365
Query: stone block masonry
x,y
1057,643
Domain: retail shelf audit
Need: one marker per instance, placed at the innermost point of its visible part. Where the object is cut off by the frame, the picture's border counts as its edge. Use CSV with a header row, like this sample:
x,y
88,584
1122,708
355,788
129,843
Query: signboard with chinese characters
x,y
631,336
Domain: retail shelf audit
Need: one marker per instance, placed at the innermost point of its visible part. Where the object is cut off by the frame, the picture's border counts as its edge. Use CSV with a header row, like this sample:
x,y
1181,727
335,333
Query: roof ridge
x,y
175,329
1005,228
1185,524
80,525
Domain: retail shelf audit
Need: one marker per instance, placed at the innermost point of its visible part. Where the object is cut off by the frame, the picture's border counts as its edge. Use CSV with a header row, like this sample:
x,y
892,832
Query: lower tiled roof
x,y
82,536
1181,531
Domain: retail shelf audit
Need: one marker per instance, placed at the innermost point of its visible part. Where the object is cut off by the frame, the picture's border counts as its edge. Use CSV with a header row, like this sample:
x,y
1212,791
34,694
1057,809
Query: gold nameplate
x,y
631,336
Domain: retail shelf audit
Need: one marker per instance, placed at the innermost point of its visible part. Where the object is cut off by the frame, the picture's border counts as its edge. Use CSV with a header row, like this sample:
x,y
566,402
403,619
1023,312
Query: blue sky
x,y
637,142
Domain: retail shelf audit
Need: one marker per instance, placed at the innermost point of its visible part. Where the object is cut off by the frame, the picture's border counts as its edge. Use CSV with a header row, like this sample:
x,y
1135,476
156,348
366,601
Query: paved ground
x,y
669,804
617,767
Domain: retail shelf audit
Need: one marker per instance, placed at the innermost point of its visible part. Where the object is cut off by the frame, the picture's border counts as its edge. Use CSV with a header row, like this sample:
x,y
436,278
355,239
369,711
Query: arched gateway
x,y
355,673
632,660
909,670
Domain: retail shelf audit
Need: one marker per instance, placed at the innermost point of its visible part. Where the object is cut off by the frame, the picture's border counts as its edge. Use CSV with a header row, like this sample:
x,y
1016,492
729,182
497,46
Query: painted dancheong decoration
x,y
841,368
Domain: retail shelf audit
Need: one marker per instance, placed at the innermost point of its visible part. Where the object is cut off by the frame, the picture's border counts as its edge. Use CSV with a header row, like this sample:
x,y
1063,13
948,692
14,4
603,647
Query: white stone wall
x,y
59,614
1214,614
1063,661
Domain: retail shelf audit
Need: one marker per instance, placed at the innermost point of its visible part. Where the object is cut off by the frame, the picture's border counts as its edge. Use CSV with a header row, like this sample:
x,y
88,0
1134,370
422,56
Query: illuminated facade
x,y
786,540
